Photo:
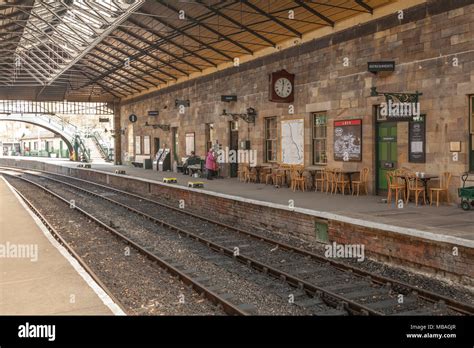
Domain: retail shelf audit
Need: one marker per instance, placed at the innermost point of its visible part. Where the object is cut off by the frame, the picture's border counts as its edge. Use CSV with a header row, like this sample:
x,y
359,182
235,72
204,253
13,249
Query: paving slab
x,y
46,280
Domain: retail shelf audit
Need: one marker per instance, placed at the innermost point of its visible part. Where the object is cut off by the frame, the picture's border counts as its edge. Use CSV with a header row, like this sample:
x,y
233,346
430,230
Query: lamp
x,y
248,117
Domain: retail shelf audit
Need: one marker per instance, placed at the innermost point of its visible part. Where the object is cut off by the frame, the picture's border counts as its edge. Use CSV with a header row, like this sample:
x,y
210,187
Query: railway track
x,y
249,292
222,303
336,284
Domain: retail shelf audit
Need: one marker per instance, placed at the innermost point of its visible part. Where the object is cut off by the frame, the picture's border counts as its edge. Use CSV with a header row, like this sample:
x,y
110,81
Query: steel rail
x,y
213,297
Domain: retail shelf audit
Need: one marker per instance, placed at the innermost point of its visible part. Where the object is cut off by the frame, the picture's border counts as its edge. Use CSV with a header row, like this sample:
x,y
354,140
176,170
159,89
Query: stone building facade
x,y
433,50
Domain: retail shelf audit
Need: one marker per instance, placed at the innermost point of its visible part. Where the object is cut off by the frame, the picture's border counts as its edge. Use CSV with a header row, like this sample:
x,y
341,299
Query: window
x,y
210,136
319,138
271,139
138,145
146,145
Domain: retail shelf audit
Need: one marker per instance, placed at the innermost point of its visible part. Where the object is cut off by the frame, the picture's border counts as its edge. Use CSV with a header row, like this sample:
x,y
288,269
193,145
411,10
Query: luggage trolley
x,y
466,193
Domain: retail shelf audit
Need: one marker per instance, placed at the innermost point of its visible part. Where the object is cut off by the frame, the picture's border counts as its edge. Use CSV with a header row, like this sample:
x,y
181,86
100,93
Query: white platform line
x,y
116,310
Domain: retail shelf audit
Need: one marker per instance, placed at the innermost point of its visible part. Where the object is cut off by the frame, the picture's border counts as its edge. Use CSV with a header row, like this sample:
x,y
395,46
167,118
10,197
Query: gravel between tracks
x,y
268,296
141,286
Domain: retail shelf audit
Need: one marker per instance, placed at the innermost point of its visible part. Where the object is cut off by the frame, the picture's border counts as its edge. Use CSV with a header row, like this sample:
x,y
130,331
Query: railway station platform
x,y
437,241
38,276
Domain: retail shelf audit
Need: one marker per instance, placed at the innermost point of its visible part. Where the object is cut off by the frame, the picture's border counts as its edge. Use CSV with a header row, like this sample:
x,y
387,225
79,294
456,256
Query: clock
x,y
281,88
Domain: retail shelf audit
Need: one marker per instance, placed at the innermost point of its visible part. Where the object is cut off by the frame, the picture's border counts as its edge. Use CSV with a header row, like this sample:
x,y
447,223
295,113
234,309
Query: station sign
x,y
153,113
375,67
133,118
228,98
103,119
185,103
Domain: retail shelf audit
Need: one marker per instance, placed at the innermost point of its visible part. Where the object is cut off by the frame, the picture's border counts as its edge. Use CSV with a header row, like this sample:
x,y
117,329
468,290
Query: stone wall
x,y
424,46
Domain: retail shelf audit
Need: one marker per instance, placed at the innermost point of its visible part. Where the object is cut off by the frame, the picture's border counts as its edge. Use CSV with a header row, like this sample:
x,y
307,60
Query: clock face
x,y
283,87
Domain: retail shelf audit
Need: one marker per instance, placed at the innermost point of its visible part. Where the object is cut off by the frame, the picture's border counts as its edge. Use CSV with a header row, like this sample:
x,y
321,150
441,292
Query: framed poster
x,y
348,140
146,145
292,141
138,145
417,141
190,145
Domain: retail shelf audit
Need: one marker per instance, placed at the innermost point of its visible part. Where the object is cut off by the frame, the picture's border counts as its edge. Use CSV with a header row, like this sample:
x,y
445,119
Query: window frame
x,y
316,138
273,140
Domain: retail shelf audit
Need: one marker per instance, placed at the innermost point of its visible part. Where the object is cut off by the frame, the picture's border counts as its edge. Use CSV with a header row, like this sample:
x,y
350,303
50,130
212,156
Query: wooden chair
x,y
270,175
329,180
245,173
241,172
342,183
252,175
334,176
416,186
321,179
363,178
444,182
393,183
298,181
280,176
263,174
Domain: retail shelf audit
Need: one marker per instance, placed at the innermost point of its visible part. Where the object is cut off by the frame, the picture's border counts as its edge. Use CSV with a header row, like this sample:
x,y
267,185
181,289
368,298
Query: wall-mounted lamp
x,y
248,117
165,127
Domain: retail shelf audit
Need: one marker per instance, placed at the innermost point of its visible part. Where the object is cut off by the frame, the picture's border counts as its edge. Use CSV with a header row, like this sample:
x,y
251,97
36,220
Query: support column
x,y
118,134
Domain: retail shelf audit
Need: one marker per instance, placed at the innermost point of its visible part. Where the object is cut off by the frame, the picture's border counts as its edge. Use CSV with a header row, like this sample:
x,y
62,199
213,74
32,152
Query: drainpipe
x,y
118,134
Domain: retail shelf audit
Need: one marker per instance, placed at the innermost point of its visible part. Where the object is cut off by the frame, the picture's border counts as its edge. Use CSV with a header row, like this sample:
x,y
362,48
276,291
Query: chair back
x,y
364,174
245,169
445,180
336,174
322,174
414,183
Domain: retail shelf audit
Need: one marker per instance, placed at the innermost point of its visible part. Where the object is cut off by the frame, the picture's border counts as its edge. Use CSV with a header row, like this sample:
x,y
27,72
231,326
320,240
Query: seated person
x,y
193,159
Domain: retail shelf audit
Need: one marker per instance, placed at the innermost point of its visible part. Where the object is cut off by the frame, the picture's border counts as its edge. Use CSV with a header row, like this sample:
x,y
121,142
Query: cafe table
x,y
258,168
313,173
425,178
349,174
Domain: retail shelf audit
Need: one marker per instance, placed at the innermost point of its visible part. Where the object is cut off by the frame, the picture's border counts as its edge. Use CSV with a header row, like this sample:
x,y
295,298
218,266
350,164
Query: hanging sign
x,y
228,98
375,67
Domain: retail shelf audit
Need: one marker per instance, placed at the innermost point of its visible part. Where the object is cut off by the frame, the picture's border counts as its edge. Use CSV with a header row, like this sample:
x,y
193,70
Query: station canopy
x,y
84,50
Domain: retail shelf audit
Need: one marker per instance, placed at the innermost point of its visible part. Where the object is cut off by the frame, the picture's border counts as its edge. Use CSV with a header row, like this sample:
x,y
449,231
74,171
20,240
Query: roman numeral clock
x,y
282,87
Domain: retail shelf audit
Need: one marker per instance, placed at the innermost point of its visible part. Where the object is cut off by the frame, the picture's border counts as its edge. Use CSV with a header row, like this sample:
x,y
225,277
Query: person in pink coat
x,y
211,164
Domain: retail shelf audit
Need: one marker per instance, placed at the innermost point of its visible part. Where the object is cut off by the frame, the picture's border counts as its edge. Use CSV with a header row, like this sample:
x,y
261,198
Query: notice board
x,y
417,141
348,140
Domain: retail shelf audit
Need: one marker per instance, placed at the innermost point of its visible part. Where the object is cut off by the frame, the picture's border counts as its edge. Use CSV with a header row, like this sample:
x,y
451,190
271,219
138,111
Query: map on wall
x,y
292,141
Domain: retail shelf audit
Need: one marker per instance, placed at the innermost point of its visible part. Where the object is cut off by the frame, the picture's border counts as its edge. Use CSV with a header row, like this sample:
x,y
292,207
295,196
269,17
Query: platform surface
x,y
445,220
42,282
